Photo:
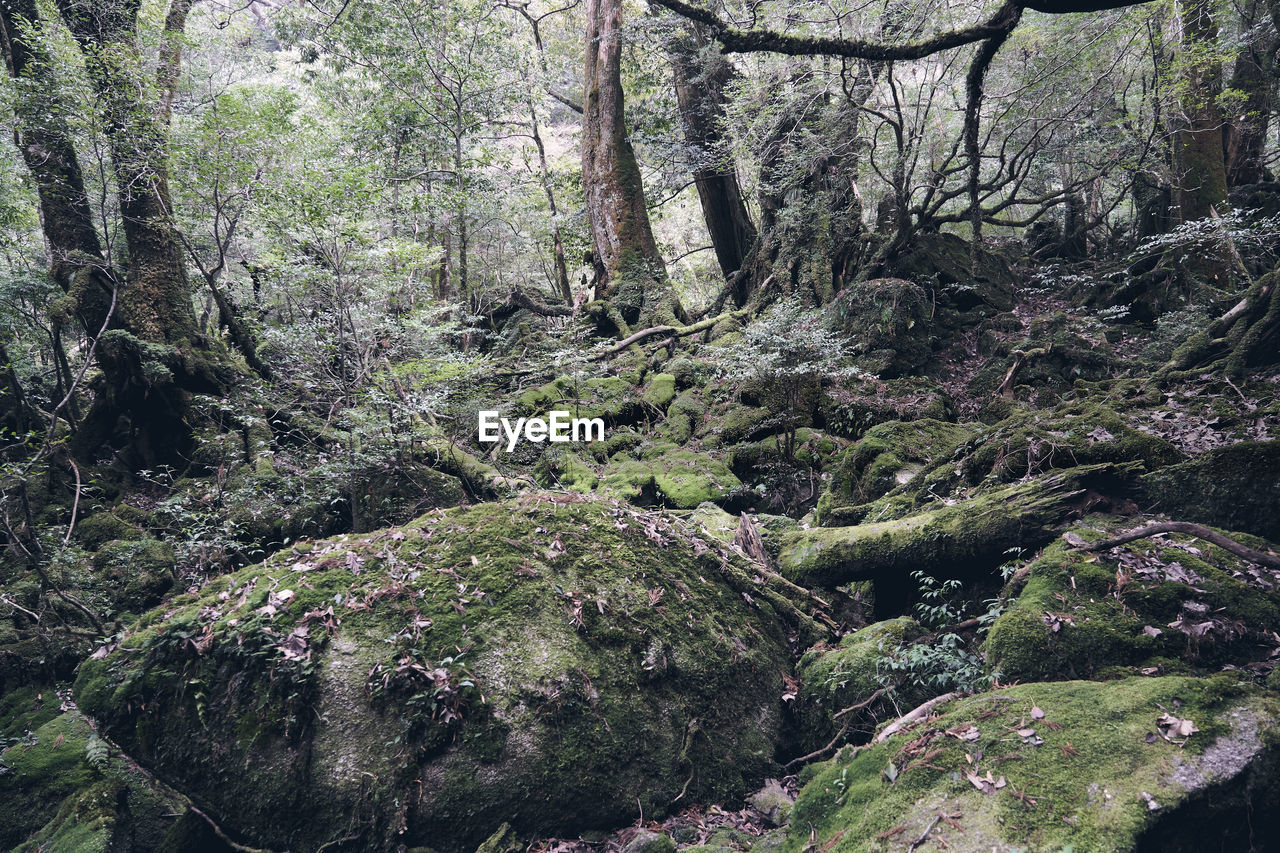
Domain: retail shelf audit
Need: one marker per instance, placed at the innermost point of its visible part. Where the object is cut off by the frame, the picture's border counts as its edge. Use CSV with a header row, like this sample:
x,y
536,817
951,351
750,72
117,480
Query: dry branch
x,y
1242,551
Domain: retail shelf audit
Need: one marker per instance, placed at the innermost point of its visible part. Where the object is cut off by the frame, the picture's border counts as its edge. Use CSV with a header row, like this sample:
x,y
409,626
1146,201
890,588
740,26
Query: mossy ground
x,y
1163,604
1076,782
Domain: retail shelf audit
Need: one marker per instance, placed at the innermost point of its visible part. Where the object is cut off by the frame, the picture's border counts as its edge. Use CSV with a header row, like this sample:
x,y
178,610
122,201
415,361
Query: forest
x,y
359,358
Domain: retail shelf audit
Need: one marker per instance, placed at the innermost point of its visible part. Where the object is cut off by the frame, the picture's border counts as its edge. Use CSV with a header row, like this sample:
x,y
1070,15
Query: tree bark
x,y
158,357
634,278
1255,75
701,76
1203,170
44,140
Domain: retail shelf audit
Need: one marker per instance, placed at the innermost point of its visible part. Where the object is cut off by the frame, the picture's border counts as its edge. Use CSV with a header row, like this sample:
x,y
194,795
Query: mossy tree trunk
x,y
701,77
158,357
631,275
44,140
1201,161
1255,76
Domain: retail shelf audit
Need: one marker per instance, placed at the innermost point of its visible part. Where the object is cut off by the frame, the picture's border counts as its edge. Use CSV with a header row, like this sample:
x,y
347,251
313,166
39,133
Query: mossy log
x,y
960,540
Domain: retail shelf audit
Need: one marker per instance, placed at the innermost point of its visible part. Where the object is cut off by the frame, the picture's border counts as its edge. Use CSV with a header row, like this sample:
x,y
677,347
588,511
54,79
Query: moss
x,y
609,664
1081,788
888,456
1236,487
96,530
691,372
41,772
684,418
564,469
611,398
835,679
887,322
140,572
660,391
25,709
738,423
1080,613
961,540
671,477
396,493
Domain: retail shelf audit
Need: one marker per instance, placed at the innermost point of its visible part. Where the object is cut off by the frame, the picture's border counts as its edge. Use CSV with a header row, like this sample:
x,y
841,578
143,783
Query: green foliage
x,y
787,353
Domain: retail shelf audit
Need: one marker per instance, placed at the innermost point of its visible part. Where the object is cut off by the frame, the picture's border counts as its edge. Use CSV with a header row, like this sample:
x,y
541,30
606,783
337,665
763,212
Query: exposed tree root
x,y
673,331
1237,339
914,716
1242,551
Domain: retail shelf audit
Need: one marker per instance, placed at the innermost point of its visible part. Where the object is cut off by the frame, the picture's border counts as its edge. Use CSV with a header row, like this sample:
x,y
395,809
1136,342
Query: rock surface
x,y
549,662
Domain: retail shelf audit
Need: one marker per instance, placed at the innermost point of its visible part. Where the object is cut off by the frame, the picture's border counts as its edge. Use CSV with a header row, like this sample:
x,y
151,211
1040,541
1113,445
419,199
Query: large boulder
x,y
1237,487
549,662
886,322
1168,603
1169,764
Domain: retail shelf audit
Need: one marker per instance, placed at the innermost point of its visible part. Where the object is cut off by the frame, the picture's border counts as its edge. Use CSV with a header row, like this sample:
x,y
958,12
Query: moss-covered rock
x,y
660,391
612,398
834,679
96,530
944,263
684,418
566,470
669,476
856,404
941,462
888,456
1166,604
887,322
544,659
396,492
1065,766
1236,487
59,794
960,540
139,572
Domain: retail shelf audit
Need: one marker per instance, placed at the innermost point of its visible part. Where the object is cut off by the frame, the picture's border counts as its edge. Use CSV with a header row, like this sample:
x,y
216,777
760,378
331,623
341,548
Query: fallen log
x,y
962,540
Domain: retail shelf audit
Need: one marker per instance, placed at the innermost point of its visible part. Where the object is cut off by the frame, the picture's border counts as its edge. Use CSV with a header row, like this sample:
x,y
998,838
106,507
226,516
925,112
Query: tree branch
x,y
674,331
1242,551
735,40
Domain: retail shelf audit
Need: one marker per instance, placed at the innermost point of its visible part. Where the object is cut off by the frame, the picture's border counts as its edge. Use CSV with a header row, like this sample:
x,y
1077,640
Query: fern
x,y
96,752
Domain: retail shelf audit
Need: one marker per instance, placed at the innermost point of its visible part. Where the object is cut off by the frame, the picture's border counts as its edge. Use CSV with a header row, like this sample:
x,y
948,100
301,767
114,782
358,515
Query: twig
x,y
75,504
925,835
864,703
913,716
819,753
1197,530
4,599
217,830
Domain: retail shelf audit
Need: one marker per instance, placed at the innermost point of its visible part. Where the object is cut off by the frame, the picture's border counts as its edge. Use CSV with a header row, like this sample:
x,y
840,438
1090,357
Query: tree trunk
x,y
1200,157
634,278
1255,75
701,75
44,140
158,357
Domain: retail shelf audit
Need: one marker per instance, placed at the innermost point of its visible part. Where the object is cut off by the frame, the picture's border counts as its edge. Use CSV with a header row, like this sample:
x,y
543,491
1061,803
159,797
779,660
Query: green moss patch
x,y
549,658
1151,605
1071,765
